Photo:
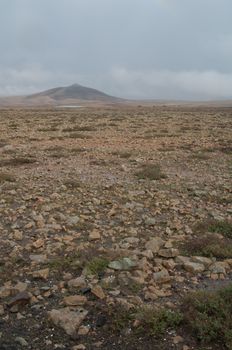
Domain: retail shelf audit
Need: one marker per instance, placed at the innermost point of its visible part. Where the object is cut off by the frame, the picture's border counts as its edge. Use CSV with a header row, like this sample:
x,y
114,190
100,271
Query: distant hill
x,y
78,95
75,92
70,95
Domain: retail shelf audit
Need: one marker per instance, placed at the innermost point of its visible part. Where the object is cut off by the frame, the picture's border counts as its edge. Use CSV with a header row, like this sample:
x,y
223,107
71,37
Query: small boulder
x,y
202,260
123,264
38,258
161,276
41,274
193,267
154,244
168,253
98,292
21,299
67,319
78,282
75,300
219,267
94,235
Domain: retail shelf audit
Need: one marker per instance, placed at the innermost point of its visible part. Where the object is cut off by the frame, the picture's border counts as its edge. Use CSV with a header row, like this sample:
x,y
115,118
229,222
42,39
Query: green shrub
x,y
151,172
209,316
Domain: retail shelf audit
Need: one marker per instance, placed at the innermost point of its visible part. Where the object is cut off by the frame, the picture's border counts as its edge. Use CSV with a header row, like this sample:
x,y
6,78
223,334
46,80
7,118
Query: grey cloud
x,y
173,85
166,48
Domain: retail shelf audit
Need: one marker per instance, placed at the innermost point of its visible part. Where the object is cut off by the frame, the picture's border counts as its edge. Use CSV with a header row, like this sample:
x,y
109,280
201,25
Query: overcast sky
x,y
176,49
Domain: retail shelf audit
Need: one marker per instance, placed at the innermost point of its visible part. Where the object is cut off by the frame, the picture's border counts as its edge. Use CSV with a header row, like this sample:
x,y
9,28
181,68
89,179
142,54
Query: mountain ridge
x,y
77,92
74,94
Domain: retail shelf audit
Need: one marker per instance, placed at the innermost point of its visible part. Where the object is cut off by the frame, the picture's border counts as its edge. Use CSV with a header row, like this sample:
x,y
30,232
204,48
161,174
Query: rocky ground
x,y
109,219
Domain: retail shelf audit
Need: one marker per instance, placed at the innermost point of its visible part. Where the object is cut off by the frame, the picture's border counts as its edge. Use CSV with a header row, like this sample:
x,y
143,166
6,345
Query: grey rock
x,y
67,319
78,282
150,221
182,259
202,260
38,259
73,220
194,267
123,264
168,253
219,267
161,276
154,244
21,341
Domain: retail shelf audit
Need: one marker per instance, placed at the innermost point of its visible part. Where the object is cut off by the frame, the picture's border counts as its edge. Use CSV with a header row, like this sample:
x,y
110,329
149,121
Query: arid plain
x,y
116,228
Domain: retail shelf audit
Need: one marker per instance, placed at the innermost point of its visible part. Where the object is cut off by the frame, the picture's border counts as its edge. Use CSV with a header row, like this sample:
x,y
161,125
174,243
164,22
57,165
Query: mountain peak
x,y
75,92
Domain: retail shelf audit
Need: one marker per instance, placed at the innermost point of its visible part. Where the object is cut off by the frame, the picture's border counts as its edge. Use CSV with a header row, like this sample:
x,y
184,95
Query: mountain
x,y
70,95
75,92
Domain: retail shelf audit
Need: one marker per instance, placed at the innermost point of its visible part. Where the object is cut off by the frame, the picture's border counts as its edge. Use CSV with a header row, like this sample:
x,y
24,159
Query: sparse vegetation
x,y
209,316
76,150
222,227
156,322
97,265
200,156
17,161
122,154
72,183
65,262
150,321
151,172
79,128
209,246
109,185
6,177
77,135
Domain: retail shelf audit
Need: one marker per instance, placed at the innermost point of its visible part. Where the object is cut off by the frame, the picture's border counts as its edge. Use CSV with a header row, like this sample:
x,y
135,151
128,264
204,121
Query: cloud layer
x,y
139,49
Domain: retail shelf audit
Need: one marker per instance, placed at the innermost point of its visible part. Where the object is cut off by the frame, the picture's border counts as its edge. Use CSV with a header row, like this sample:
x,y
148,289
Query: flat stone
x,y
75,300
18,236
180,260
150,221
178,339
41,274
94,235
5,292
202,260
148,254
168,253
123,264
154,244
67,319
21,287
78,282
169,264
98,292
22,298
83,330
150,296
38,244
79,347
161,276
2,311
194,267
219,267
21,341
38,258
73,220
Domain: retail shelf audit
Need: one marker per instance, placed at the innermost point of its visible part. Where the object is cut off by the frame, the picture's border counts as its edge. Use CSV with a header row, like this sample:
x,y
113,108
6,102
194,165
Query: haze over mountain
x,y
70,95
75,92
